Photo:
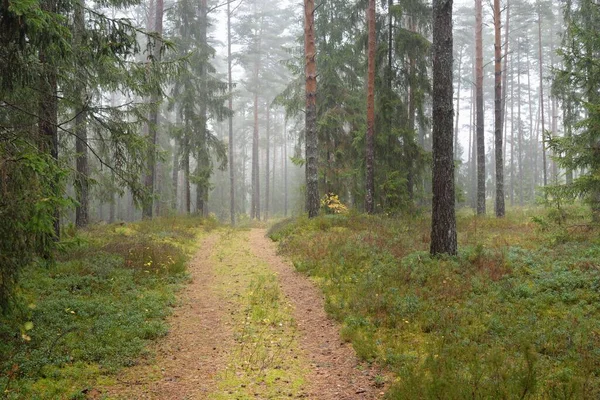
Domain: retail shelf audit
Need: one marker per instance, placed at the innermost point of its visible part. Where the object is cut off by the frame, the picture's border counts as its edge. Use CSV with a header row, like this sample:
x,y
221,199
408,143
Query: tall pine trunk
x,y
267,165
312,176
203,156
543,132
479,108
150,181
443,222
230,87
370,150
500,208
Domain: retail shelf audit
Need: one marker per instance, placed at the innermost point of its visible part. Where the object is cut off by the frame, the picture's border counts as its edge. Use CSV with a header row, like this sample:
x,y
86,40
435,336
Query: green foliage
x,y
576,83
513,316
93,311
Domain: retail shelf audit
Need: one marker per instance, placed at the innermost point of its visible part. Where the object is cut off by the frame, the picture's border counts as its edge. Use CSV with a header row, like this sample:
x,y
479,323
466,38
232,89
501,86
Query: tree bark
x,y
370,150
542,95
312,182
267,164
150,183
500,208
519,123
479,106
203,157
285,170
443,222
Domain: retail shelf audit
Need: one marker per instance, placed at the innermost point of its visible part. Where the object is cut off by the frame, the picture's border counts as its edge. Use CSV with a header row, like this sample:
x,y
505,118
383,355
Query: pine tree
x,y
443,222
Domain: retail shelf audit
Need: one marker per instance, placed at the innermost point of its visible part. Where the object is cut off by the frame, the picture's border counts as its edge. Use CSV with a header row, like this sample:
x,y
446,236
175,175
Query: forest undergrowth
x,y
514,315
77,321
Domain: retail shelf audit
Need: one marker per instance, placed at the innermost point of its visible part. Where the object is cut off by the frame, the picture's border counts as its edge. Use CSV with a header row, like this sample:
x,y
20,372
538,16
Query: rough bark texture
x,y
479,108
370,151
443,221
81,150
230,85
498,110
312,176
147,210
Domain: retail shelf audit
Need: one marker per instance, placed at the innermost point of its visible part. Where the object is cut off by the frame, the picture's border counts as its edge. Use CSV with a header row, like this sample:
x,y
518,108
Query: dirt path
x,y
334,374
247,327
196,347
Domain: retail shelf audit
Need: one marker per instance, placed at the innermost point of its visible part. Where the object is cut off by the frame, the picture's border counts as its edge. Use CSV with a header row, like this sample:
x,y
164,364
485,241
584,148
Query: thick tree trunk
x,y
81,150
370,150
479,106
443,222
150,183
500,208
231,155
312,176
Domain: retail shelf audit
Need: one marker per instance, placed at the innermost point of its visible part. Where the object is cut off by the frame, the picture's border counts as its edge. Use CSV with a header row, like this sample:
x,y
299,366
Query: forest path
x,y
248,327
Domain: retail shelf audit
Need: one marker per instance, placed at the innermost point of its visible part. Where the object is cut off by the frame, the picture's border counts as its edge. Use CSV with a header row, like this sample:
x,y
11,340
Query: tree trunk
x,y
512,131
150,183
285,171
542,96
370,151
203,170
267,165
175,175
500,209
187,198
479,105
457,115
81,150
443,222
48,119
519,123
312,176
230,86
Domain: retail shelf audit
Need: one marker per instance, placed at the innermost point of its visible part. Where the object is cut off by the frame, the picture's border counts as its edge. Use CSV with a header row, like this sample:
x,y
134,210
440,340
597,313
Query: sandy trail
x,y
190,360
196,348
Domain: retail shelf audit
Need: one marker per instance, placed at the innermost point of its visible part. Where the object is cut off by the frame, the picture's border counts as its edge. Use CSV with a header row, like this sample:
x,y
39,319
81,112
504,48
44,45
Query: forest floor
x,y
247,326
